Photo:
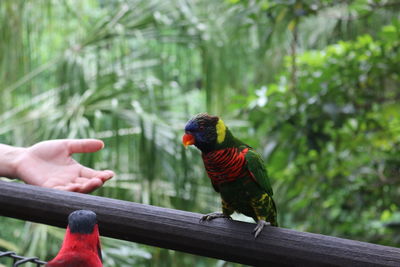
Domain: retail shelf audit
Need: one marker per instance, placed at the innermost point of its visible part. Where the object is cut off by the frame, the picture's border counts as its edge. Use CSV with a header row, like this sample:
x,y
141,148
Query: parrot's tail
x,y
273,220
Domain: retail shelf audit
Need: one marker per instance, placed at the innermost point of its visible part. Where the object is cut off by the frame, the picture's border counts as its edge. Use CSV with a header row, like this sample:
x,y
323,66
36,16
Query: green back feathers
x,y
255,164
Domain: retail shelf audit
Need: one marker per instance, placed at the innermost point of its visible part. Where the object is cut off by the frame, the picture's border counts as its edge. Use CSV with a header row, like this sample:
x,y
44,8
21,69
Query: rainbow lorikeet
x,y
236,171
81,245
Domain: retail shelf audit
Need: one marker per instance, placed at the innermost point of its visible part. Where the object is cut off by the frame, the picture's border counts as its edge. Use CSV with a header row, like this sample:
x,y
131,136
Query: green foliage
x,y
321,103
335,146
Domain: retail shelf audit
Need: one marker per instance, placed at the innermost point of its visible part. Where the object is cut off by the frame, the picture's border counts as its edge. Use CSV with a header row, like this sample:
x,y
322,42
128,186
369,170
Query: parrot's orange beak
x,y
188,140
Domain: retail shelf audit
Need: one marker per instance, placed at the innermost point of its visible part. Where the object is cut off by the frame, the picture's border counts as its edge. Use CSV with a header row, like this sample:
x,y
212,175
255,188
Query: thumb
x,y
84,145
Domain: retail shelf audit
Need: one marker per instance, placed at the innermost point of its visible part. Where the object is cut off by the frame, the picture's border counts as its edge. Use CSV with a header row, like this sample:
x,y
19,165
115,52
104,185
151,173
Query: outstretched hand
x,y
50,164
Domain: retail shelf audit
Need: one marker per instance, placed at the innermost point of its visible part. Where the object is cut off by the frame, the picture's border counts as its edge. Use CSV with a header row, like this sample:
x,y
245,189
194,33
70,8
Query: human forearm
x,y
9,157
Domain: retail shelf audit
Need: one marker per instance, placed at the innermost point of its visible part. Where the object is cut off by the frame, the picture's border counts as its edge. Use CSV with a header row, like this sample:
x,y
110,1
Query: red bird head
x,y
81,245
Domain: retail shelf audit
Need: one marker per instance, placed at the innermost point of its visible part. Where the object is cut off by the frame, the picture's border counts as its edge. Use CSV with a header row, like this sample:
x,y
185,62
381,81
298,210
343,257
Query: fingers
x,y
90,173
69,187
90,185
82,185
84,145
87,181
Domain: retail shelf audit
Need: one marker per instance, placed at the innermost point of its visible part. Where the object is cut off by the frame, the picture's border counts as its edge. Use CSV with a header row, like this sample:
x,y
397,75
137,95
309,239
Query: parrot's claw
x,y
214,215
259,227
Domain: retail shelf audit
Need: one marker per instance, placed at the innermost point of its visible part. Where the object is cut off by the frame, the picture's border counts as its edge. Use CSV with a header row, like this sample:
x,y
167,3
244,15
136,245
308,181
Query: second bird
x,y
236,171
81,245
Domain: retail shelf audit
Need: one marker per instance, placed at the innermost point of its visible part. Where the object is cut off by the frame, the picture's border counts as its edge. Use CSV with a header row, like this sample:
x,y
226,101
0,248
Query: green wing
x,y
255,164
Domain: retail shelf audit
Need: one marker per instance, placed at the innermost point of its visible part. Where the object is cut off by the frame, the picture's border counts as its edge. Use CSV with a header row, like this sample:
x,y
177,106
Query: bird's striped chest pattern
x,y
226,165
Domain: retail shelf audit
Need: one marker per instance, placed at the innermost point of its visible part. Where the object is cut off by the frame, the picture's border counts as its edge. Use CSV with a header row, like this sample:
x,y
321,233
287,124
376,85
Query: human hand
x,y
50,164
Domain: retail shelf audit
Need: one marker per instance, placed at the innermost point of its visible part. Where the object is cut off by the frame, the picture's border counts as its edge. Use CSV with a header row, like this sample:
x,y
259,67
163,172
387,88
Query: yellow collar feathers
x,y
221,131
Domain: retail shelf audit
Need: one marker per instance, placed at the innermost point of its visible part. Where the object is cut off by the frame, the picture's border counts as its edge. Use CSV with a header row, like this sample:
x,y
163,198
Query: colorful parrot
x,y
81,245
236,171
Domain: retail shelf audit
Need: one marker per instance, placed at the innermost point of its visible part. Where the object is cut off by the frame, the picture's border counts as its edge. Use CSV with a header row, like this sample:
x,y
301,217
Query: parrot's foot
x,y
214,215
259,227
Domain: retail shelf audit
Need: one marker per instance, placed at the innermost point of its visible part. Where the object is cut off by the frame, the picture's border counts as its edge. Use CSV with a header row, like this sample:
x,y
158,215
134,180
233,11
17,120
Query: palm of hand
x,y
50,164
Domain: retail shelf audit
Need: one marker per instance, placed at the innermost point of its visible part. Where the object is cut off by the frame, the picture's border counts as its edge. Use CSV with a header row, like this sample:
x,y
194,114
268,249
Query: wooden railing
x,y
181,230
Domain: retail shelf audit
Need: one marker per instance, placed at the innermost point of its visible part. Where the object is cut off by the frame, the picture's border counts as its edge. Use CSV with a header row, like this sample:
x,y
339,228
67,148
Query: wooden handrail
x,y
181,230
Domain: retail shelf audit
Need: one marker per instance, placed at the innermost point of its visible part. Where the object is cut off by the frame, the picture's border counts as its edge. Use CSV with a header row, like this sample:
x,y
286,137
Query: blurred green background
x,y
313,85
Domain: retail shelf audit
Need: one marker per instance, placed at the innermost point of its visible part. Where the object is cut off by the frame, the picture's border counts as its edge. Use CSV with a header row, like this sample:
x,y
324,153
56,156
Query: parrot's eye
x,y
201,128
